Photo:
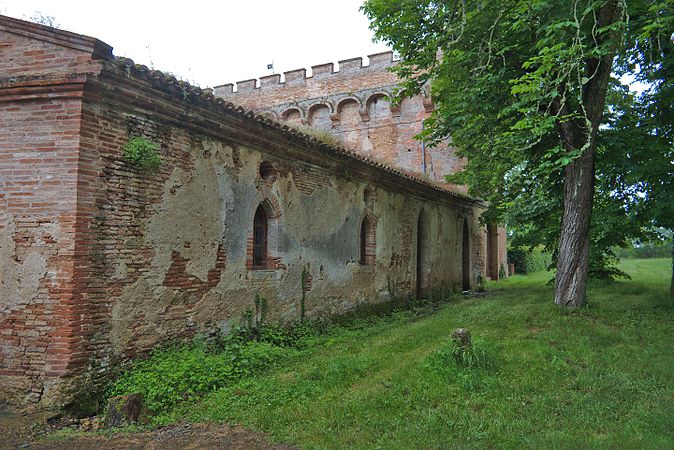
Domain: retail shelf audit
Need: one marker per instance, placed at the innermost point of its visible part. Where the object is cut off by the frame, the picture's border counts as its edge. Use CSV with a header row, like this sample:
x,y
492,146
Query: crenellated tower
x,y
352,103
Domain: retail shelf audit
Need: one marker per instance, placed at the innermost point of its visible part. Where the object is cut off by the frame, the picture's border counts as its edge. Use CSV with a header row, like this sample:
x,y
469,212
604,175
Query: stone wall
x,y
103,261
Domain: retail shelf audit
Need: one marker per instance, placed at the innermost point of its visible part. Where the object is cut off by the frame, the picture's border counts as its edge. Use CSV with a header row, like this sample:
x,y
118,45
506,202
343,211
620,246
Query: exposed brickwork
x,y
352,103
178,278
41,172
102,261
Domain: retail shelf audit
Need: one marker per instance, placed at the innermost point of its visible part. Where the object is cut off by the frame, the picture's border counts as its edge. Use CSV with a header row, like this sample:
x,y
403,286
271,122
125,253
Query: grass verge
x,y
596,377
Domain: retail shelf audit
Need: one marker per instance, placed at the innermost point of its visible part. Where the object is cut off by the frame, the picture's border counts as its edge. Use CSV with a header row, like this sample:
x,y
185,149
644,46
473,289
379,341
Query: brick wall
x,y
353,104
103,261
41,82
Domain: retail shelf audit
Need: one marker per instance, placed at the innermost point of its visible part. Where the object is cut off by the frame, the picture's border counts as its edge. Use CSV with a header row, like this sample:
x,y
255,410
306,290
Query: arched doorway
x,y
465,257
492,251
423,256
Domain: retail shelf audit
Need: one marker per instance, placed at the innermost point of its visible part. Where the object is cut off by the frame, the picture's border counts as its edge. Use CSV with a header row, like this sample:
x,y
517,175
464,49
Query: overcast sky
x,y
211,43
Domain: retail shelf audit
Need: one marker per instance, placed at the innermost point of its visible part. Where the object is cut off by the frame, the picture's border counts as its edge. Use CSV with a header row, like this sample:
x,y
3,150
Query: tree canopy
x,y
535,94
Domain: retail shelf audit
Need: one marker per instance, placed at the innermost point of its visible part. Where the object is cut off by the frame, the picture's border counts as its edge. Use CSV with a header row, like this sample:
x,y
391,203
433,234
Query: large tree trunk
x,y
671,286
574,238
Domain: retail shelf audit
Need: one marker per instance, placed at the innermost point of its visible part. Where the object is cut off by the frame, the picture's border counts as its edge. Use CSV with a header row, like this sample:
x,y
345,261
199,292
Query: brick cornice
x,y
98,49
32,88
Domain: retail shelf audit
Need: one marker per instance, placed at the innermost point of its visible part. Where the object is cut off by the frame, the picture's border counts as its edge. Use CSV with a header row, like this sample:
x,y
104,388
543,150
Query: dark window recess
x,y
267,171
367,242
260,229
363,243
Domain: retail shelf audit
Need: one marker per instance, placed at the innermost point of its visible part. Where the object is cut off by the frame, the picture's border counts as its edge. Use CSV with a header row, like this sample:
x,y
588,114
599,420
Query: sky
x,y
210,43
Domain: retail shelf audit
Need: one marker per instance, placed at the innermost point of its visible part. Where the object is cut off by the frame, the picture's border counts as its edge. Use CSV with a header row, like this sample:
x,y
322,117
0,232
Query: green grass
x,y
601,377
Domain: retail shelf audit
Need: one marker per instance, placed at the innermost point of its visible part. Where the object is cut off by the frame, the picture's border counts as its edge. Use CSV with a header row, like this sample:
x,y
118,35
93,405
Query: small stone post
x,y
123,410
461,338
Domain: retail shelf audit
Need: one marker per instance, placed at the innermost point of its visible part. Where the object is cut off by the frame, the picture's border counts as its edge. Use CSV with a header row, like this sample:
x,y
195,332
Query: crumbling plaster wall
x,y
181,236
102,262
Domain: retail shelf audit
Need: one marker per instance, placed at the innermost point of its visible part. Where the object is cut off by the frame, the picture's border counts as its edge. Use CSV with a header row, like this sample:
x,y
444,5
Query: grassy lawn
x,y
600,377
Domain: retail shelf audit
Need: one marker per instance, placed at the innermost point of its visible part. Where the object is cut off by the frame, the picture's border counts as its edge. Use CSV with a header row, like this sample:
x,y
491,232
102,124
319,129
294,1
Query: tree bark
x,y
574,238
671,286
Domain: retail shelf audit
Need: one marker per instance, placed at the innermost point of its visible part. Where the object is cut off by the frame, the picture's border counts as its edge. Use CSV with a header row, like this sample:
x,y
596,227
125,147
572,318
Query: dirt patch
x,y
29,430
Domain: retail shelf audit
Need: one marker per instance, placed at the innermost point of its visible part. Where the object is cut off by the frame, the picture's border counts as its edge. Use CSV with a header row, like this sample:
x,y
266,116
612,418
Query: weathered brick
x,y
118,260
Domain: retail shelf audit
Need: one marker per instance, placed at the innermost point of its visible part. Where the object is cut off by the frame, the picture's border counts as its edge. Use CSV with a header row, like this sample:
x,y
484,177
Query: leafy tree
x,y
527,90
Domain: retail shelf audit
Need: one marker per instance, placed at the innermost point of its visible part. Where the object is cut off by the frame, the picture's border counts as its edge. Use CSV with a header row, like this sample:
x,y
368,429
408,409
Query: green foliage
x,y
184,373
512,80
528,260
480,284
142,153
661,249
480,355
322,135
254,320
299,335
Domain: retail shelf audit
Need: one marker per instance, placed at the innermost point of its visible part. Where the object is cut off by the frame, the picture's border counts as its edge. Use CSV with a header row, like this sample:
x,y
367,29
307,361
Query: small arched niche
x,y
292,116
319,117
378,107
348,111
267,171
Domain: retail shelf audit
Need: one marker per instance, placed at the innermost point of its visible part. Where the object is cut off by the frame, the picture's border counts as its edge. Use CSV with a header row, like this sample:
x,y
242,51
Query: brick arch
x,y
349,113
367,253
368,111
293,115
319,115
376,96
327,104
347,100
270,204
272,212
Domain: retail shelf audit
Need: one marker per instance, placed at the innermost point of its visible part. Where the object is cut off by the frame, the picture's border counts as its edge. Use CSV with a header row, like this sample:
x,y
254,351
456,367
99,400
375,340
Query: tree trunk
x,y
671,286
574,238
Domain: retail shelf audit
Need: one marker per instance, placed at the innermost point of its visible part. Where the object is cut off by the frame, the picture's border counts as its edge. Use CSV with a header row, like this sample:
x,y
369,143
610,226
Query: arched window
x,y
368,245
260,233
423,255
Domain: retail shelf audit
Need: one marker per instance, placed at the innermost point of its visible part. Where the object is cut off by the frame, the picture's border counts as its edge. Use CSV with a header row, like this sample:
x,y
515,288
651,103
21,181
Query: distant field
x,y
601,377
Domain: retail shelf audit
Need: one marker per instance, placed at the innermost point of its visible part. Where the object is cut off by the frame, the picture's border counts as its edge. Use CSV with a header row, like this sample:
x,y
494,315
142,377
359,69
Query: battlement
x,y
377,62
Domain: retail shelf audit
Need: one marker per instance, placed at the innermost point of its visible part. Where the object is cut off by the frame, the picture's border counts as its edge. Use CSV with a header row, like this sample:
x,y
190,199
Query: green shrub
x,y
298,335
659,249
528,260
142,153
177,374
480,284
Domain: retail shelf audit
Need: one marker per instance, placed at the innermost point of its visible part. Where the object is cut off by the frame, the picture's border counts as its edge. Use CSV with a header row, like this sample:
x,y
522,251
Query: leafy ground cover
x,y
543,377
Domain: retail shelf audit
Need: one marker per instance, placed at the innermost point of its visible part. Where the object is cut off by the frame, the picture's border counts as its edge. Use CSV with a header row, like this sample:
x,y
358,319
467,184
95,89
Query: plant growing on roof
x,y
142,153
